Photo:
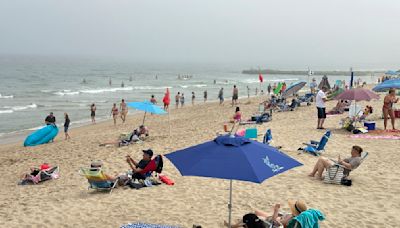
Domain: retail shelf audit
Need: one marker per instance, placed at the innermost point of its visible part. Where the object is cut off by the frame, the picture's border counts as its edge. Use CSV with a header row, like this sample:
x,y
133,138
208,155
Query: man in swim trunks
x,y
235,95
124,110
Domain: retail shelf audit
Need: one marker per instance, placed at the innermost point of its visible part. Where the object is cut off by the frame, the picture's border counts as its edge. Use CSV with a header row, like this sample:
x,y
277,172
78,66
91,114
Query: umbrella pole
x,y
144,117
230,204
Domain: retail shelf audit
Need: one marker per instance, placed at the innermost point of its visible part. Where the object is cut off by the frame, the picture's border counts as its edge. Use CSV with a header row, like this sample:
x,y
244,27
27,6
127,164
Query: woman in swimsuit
x,y
93,112
387,108
114,113
124,110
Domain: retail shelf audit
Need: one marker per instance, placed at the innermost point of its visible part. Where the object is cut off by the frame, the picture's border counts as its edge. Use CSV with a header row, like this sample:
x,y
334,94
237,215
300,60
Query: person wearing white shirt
x,y
320,103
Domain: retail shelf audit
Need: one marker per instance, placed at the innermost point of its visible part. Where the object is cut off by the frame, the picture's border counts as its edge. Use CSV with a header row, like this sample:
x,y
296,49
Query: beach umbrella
x,y
232,158
358,94
146,106
351,79
294,88
324,83
388,84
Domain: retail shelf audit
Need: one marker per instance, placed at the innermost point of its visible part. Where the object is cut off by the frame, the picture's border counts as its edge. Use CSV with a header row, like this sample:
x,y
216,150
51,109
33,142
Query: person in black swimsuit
x,y
50,119
93,112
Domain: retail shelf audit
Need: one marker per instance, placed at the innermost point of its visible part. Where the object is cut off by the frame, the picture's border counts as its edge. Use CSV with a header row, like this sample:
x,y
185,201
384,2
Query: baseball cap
x,y
149,152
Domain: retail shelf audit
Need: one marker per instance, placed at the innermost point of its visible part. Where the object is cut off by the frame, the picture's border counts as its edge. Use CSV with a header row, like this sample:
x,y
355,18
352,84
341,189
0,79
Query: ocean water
x,y
30,88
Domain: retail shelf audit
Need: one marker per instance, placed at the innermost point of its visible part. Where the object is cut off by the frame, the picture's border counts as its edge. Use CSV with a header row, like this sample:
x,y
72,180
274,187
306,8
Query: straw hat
x,y
96,164
296,207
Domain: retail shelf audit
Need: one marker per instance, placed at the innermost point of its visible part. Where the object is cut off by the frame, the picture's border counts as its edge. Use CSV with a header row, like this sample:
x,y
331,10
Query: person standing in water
x,y
205,96
66,126
93,113
235,95
114,113
269,88
248,92
122,84
182,100
153,100
124,110
177,99
193,98
109,82
221,96
130,78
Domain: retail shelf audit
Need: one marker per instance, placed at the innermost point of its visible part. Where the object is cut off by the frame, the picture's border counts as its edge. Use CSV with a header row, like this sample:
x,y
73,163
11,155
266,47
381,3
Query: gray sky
x,y
278,33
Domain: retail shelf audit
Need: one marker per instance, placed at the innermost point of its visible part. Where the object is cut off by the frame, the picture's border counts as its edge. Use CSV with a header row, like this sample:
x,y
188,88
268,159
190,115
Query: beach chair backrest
x,y
324,140
355,111
94,174
251,133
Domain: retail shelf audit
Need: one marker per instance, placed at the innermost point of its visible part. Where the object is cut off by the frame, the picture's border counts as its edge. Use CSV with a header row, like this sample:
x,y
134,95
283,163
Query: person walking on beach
x,y
320,103
124,110
182,100
193,98
248,92
114,113
221,96
205,96
387,108
177,99
50,119
66,126
93,113
153,100
269,88
235,95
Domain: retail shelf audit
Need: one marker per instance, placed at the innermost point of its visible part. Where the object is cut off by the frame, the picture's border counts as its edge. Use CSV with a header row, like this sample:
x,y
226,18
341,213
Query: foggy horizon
x,y
285,34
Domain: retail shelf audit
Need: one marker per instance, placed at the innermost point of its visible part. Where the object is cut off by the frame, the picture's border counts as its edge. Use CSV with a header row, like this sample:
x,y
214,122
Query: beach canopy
x,y
324,83
146,106
357,94
388,84
232,158
294,88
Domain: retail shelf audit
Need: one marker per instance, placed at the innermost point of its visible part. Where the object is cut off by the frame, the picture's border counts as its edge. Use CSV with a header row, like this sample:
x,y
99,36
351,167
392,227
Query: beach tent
x,y
233,158
324,82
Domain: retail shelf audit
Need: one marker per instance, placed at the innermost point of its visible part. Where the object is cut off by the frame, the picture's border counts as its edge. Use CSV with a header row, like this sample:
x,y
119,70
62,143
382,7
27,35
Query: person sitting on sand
x,y
135,136
237,117
263,219
96,165
338,109
137,167
350,163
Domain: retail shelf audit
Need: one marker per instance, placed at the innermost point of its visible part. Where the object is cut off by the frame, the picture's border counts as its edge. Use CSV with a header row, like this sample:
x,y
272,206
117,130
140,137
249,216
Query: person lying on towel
x,y
135,136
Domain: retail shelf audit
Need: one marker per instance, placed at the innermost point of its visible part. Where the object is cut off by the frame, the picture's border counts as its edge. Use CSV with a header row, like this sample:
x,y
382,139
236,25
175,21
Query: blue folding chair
x,y
267,137
315,147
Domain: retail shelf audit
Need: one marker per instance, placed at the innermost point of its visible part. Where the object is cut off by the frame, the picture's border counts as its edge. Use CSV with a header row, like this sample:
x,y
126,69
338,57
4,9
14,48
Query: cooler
x,y
369,125
397,113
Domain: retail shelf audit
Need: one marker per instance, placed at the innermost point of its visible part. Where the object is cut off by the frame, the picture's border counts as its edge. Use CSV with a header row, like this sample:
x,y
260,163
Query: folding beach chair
x,y
364,155
315,147
97,179
267,137
42,175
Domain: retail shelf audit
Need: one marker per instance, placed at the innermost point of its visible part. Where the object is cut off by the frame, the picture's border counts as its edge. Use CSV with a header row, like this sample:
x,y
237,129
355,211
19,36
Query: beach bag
x,y
334,175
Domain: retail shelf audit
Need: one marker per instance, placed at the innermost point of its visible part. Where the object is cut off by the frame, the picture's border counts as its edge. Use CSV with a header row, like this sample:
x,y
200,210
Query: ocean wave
x,y
11,109
193,86
151,87
66,92
6,96
104,90
6,111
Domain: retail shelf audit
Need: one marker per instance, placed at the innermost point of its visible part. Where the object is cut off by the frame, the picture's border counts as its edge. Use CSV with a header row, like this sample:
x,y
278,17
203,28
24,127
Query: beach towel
x,y
379,134
145,225
309,219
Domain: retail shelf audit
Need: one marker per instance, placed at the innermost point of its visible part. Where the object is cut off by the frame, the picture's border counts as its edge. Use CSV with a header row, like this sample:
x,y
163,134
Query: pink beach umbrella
x,y
358,94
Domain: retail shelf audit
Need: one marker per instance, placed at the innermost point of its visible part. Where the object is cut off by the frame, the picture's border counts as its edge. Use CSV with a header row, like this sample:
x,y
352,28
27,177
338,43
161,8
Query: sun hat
x,y
296,207
97,163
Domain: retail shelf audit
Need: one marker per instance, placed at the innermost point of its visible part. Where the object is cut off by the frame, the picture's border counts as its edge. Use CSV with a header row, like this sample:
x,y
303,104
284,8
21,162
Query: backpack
x,y
159,162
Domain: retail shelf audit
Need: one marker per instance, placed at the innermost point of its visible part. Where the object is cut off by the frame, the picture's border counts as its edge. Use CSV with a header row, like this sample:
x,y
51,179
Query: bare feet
x,y
311,175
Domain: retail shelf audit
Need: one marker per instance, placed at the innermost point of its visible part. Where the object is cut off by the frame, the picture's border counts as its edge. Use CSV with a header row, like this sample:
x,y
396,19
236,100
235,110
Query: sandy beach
x,y
372,201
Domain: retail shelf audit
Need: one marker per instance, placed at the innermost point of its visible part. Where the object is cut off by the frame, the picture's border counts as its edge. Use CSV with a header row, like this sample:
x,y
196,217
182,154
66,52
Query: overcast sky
x,y
298,33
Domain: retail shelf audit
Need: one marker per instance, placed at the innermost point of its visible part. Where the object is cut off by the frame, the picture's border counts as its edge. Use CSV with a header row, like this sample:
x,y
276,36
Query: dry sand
x,y
372,201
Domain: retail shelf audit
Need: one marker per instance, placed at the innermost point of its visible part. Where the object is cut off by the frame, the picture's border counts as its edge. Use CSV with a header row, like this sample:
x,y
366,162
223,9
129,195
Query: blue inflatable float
x,y
41,136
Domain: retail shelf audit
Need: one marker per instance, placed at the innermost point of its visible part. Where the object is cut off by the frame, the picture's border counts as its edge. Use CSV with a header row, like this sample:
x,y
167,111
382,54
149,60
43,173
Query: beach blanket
x,y
379,134
144,225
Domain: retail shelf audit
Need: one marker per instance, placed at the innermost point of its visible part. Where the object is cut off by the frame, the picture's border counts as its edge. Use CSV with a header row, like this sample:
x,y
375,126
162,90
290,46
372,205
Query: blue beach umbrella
x,y
294,88
232,158
146,107
388,84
